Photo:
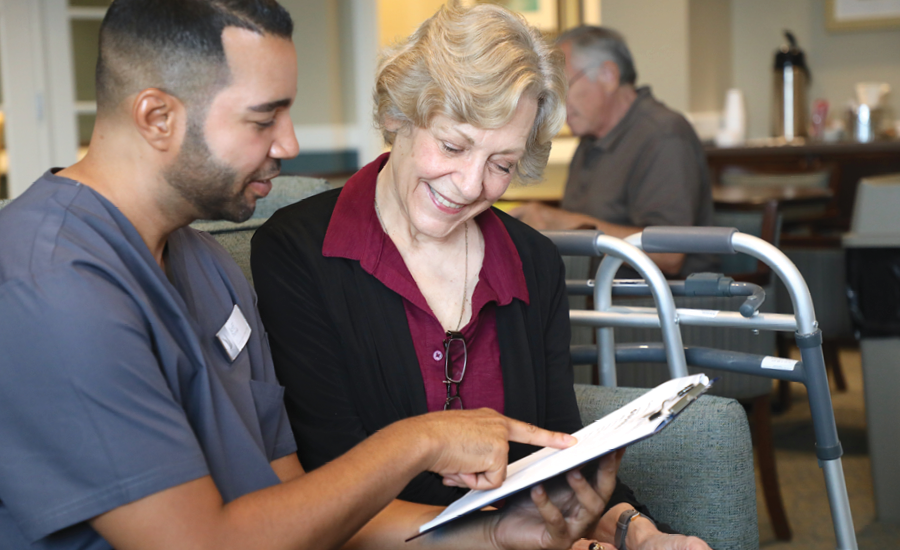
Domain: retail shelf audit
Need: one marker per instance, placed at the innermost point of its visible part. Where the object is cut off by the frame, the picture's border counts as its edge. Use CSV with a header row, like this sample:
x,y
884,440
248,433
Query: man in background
x,y
138,406
638,163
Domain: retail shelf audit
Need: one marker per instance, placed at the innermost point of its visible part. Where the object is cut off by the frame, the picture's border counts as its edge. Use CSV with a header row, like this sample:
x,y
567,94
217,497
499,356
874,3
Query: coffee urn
x,y
789,111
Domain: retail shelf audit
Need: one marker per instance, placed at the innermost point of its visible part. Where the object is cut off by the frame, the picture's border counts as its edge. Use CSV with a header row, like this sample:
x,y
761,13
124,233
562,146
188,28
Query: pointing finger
x,y
532,435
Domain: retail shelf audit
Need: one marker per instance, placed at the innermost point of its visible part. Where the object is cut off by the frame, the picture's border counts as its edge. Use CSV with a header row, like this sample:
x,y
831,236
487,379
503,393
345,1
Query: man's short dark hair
x,y
175,45
597,45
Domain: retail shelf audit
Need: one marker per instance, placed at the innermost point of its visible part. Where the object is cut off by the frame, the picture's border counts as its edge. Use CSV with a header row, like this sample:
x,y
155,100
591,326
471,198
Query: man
x,y
638,163
139,407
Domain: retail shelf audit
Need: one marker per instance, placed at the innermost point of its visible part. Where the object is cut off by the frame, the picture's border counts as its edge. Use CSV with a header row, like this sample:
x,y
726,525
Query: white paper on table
x,y
635,421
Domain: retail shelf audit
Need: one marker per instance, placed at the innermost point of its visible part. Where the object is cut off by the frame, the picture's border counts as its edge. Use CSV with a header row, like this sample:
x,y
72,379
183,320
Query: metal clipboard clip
x,y
684,398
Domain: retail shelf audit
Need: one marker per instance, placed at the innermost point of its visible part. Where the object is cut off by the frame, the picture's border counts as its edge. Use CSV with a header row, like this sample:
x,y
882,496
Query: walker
x,y
809,371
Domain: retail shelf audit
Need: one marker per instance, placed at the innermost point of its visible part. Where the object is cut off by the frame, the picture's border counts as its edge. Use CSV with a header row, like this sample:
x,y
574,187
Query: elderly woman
x,y
405,292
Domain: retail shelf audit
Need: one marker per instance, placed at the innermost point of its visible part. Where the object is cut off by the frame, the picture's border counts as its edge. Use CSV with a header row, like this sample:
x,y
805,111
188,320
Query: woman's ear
x,y
392,124
158,117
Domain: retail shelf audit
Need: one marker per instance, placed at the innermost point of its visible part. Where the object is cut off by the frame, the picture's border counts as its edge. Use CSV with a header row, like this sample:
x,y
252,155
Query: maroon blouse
x,y
355,233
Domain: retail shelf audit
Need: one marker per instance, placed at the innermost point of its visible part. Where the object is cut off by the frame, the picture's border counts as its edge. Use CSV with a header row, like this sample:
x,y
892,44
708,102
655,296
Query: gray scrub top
x,y
113,384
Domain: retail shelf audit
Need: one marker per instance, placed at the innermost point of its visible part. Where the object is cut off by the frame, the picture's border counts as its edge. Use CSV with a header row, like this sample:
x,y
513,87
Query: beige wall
x,y
322,57
710,37
324,42
837,60
657,34
399,18
690,51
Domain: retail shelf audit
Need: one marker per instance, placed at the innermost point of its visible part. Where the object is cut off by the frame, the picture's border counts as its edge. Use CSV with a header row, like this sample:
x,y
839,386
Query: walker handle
x,y
575,242
688,240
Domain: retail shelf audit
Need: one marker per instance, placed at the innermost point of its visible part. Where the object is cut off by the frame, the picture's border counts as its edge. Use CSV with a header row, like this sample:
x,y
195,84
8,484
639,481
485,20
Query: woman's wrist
x,y
639,529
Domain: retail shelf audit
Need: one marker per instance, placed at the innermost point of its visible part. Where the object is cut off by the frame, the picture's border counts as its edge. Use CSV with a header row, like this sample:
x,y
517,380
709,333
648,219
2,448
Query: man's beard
x,y
210,185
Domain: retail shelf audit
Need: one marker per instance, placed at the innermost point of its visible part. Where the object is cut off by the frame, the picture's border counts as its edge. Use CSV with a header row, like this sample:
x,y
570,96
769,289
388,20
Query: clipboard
x,y
645,416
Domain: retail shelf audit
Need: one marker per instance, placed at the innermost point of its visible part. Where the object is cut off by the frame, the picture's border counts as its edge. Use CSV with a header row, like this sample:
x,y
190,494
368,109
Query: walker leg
x,y
828,447
844,532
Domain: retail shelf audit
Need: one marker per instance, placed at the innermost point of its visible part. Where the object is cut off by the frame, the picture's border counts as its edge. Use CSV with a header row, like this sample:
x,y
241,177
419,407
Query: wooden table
x,y
846,162
756,196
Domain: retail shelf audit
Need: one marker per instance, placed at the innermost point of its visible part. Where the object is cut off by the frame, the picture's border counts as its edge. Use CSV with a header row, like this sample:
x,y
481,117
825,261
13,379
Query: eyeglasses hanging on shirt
x,y
454,345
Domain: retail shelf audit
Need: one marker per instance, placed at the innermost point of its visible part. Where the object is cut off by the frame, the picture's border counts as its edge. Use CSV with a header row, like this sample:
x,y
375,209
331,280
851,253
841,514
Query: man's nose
x,y
285,145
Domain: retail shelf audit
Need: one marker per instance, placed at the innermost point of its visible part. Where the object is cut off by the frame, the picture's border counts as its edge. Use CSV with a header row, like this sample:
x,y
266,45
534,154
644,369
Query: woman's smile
x,y
443,203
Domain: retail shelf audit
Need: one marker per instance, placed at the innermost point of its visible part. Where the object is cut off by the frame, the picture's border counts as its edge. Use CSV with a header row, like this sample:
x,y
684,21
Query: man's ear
x,y
609,75
158,117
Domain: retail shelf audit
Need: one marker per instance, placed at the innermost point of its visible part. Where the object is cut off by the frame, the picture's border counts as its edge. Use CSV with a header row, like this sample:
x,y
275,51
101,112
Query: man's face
x,y
228,158
588,101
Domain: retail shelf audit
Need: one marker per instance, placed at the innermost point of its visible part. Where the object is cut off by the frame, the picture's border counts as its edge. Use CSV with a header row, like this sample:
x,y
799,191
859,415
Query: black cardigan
x,y
343,351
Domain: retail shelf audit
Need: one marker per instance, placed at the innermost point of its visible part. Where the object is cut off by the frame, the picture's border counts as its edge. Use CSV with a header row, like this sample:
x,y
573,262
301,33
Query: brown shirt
x,y
649,170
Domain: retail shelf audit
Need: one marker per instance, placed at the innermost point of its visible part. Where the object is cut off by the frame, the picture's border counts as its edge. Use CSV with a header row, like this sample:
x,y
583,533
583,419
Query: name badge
x,y
235,333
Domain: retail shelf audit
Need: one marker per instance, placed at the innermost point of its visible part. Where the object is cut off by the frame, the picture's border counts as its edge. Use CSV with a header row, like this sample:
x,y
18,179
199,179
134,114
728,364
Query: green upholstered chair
x,y
235,237
288,190
697,474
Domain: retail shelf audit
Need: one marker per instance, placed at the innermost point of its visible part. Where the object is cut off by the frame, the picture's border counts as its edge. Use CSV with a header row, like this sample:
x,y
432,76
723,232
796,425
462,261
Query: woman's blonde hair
x,y
473,65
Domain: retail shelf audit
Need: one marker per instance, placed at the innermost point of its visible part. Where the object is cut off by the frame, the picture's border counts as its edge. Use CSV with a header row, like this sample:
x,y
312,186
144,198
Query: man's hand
x,y
542,217
470,448
557,517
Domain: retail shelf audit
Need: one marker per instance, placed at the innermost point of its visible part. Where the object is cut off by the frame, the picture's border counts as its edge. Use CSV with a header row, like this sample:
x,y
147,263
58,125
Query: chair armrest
x,y
697,474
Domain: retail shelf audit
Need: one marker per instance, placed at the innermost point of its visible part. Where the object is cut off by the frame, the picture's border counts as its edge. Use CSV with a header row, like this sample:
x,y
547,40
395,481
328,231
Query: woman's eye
x,y
449,148
504,169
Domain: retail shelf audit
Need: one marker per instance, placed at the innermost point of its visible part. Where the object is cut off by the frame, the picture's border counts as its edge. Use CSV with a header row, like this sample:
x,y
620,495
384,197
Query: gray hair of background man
x,y
594,46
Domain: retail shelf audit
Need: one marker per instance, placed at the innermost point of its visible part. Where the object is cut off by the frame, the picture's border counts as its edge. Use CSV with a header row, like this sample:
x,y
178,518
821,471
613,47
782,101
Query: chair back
x,y
763,222
235,237
697,474
288,190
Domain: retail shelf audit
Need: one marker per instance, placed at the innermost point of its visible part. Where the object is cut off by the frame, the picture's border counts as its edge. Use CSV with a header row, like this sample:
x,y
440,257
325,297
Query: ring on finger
x,y
595,546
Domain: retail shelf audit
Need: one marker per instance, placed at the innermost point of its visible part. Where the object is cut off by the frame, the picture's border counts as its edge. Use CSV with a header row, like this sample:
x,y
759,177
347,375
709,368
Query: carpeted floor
x,y
801,479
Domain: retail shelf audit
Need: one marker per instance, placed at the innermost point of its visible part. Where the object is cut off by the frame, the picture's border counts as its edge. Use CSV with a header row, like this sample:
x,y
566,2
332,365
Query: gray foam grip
x,y
574,243
689,240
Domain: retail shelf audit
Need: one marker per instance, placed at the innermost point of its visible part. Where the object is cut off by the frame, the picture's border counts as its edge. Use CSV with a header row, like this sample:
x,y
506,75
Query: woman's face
x,y
451,172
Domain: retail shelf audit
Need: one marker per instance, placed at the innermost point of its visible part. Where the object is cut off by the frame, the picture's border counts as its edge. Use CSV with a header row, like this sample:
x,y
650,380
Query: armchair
x,y
235,237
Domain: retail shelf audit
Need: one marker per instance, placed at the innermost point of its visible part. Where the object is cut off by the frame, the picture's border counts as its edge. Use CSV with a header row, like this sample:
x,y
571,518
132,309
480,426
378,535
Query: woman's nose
x,y
470,177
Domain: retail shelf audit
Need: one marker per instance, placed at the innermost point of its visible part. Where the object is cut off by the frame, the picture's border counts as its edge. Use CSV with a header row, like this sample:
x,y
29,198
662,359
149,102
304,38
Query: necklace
x,y
462,310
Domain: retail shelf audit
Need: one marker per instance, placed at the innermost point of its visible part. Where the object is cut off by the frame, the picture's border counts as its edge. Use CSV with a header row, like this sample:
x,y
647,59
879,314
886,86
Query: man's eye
x,y
265,124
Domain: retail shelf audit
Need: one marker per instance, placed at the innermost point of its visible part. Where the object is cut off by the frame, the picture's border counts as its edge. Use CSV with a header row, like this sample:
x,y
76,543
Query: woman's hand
x,y
662,541
557,518
642,534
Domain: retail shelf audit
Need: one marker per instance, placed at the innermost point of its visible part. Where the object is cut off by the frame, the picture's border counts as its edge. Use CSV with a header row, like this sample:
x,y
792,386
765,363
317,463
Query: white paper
x,y
633,422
